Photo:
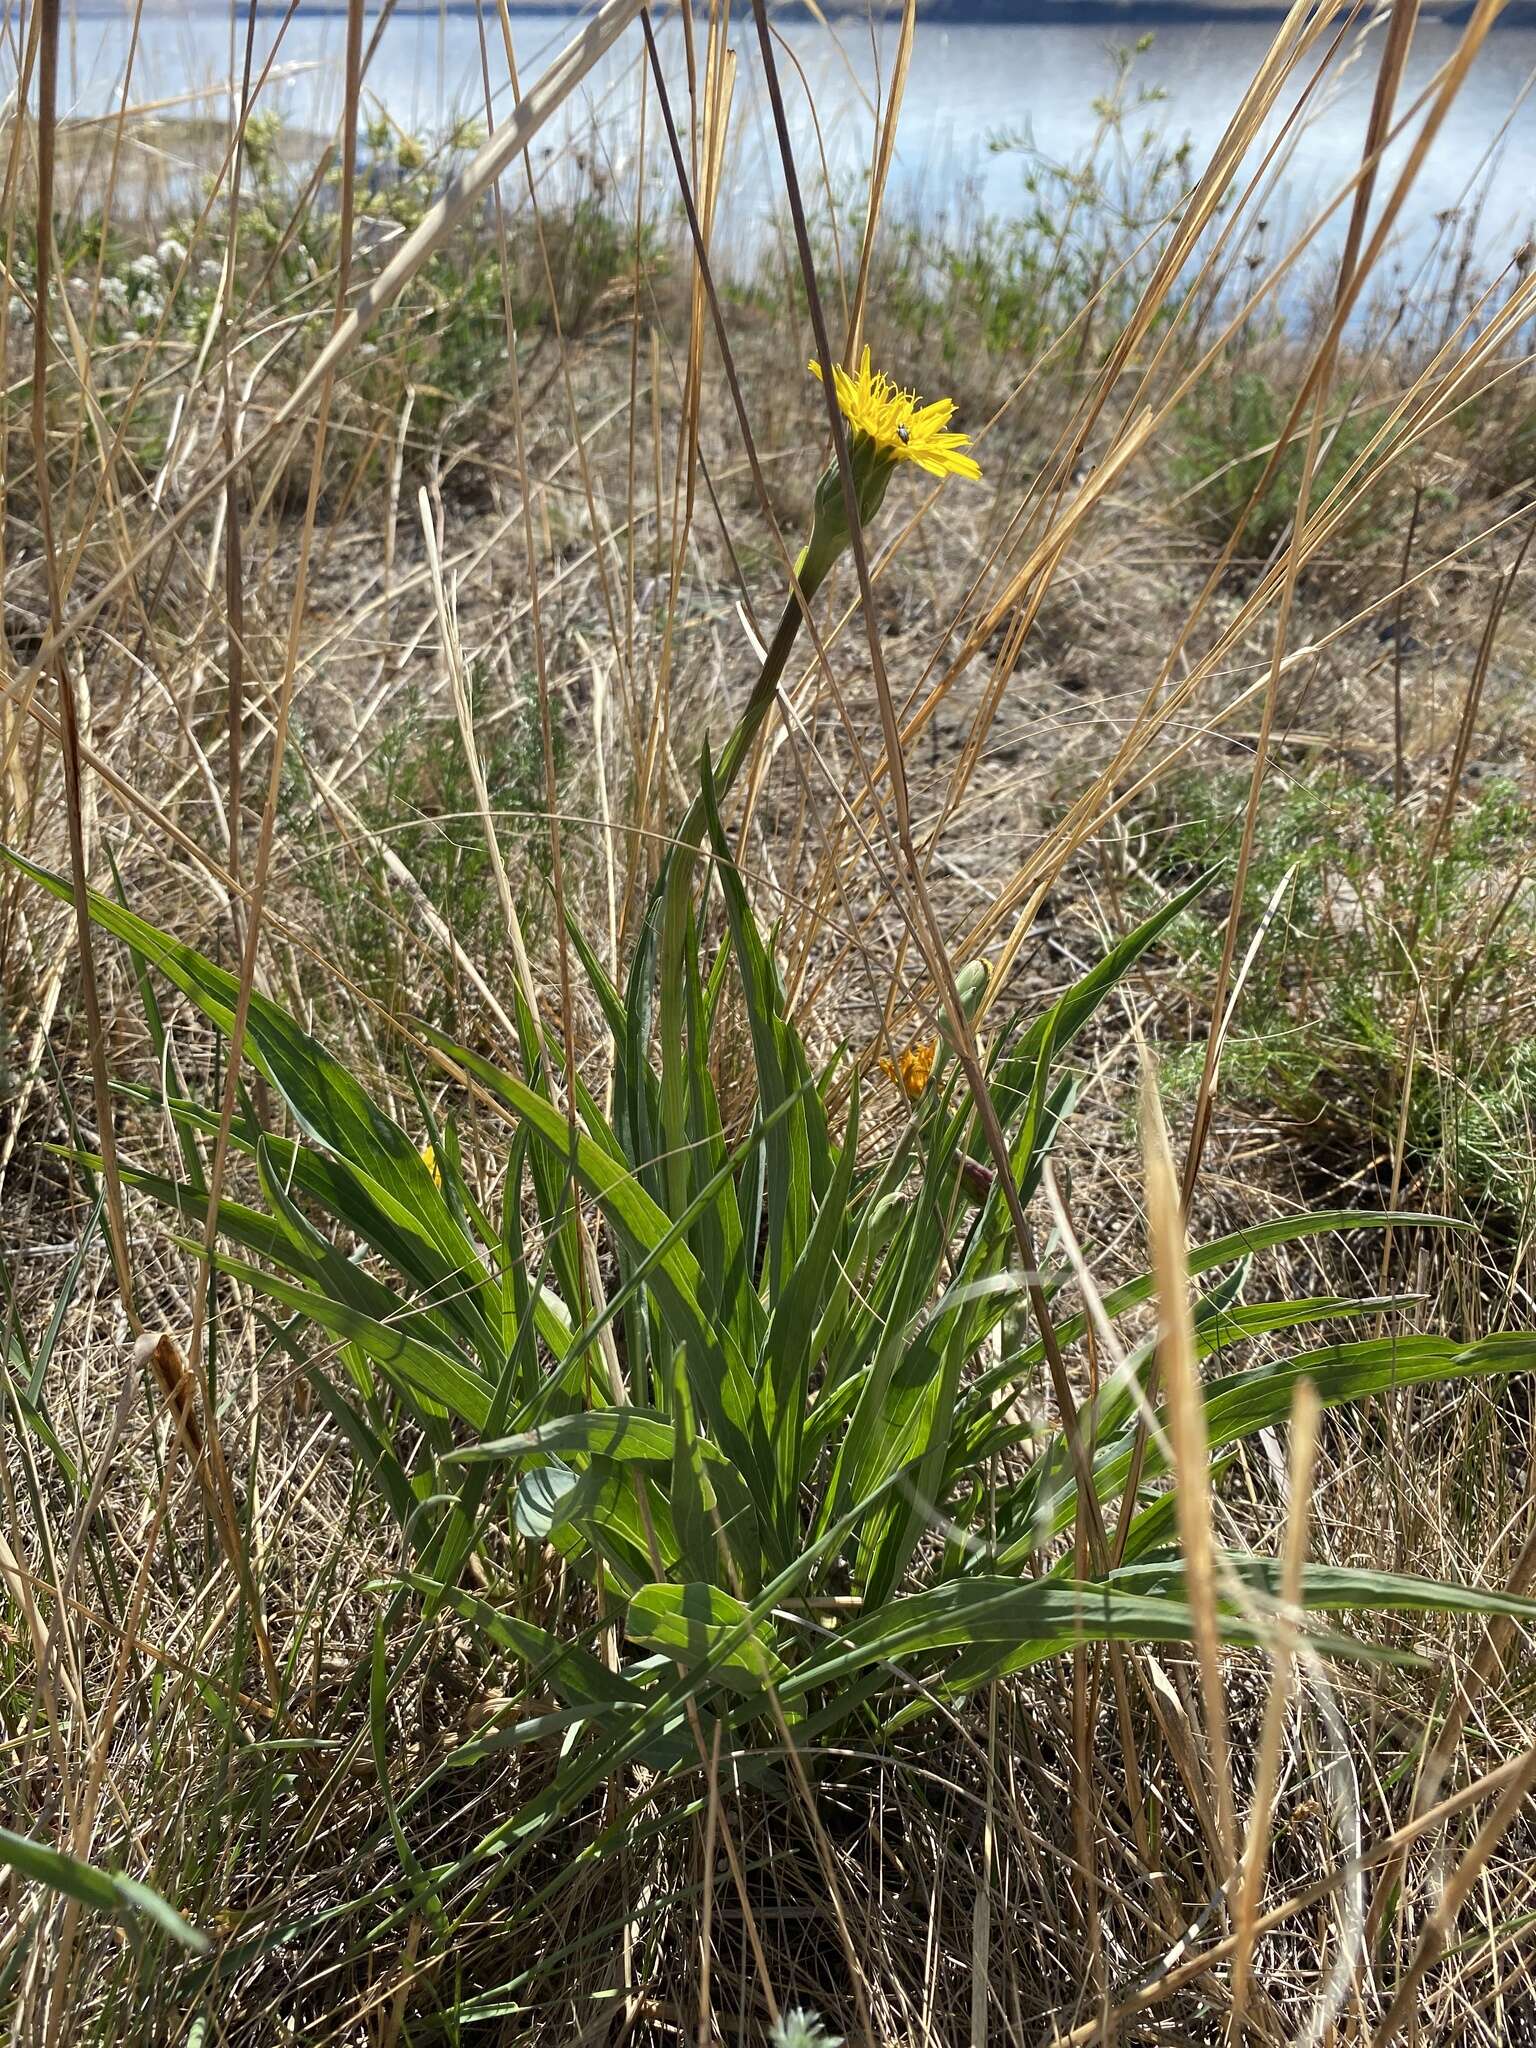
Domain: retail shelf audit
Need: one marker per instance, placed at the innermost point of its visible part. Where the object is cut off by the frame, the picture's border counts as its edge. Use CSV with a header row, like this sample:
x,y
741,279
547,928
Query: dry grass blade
x,y
1394,57
1180,1376
1184,1971
261,870
1454,1894
45,22
885,149
1305,1413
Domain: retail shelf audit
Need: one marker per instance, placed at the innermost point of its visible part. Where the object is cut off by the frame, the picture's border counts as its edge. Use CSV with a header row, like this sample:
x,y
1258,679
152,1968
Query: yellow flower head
x,y
914,1069
429,1161
899,424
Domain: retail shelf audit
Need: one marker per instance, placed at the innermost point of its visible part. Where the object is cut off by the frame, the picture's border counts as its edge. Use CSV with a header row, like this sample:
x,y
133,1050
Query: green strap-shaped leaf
x,y
902,1400
328,1103
538,1501
572,1673
1240,1404
698,1552
717,1237
361,1206
784,1375
640,1112
1059,1025
621,1513
918,1423
725,1388
102,1889
1221,1251
1219,1329
918,1418
421,1369
954,1637
643,1434
788,1163
244,1225
1327,1588
700,1625
609,1001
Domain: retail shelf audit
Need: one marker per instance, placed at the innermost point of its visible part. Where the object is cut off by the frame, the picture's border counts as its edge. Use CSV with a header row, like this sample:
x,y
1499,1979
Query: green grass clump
x,y
418,801
1389,967
1226,434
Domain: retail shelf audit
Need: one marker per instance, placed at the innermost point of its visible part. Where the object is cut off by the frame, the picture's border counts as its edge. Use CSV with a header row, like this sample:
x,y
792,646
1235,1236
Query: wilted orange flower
x,y
913,1070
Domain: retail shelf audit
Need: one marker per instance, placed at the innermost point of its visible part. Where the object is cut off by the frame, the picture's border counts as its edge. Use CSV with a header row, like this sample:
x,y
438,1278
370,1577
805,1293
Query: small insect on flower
x,y
913,1070
899,424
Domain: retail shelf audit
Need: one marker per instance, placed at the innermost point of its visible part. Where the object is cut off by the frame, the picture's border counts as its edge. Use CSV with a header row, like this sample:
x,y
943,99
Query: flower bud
x,y
971,986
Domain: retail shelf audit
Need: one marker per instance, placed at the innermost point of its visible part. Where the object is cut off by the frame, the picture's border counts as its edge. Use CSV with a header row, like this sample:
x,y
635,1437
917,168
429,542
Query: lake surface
x,y
969,86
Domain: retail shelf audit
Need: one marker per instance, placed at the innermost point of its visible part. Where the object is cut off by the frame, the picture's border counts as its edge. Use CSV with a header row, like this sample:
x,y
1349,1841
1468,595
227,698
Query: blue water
x,y
969,86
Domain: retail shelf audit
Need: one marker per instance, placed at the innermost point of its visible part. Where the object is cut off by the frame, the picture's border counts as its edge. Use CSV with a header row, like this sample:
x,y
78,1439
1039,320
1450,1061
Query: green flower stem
x,y
769,676
872,468
677,875
764,693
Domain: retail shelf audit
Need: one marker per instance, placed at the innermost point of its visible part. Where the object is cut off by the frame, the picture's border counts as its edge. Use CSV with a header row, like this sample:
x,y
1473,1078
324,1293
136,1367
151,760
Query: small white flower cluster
x,y
107,293
799,2028
147,278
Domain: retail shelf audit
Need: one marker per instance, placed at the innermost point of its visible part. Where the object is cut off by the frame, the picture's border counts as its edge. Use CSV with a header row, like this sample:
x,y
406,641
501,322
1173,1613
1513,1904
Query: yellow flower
x,y
429,1161
913,1070
899,424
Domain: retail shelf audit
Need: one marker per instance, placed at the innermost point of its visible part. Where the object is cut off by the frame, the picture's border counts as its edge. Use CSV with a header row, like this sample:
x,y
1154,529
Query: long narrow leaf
x,y
90,1886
